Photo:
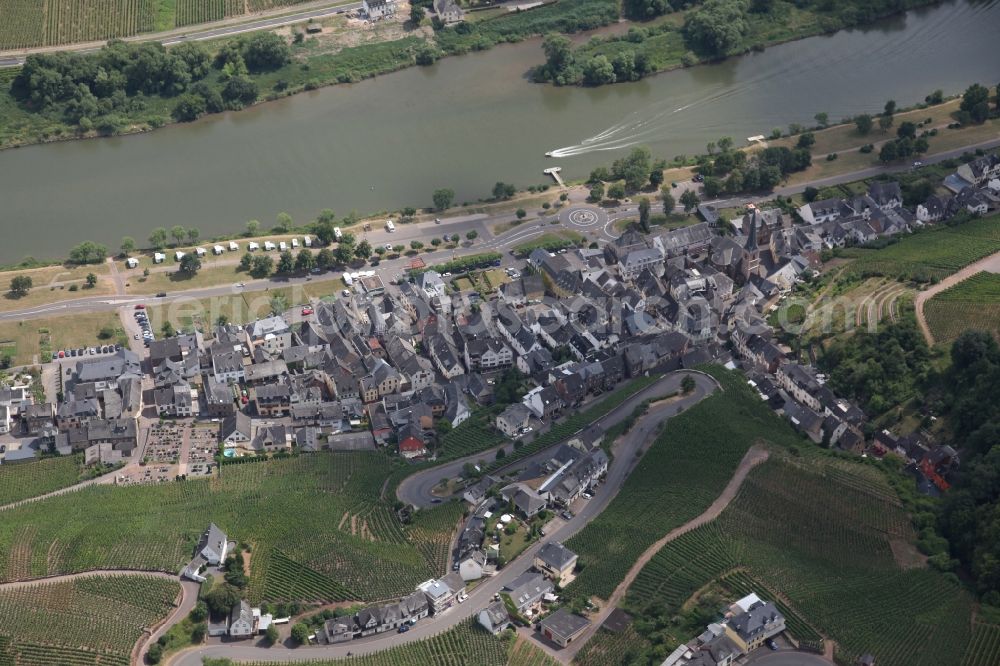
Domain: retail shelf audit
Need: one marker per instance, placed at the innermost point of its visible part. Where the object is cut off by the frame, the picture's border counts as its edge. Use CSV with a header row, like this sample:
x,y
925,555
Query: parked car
x,y
140,306
771,644
566,515
162,294
306,311
62,354
586,495
347,293
403,628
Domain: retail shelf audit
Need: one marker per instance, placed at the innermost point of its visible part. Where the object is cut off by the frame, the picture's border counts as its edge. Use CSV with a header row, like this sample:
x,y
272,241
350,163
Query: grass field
x,y
88,621
822,537
672,483
344,542
30,23
25,339
18,482
934,253
972,303
52,284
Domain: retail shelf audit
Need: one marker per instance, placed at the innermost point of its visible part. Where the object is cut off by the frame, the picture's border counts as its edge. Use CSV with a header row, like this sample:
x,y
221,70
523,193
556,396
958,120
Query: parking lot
x,y
143,320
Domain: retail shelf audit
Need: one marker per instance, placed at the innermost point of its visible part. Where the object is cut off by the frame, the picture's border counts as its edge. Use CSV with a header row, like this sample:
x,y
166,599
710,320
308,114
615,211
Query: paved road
x,y
480,597
416,488
210,31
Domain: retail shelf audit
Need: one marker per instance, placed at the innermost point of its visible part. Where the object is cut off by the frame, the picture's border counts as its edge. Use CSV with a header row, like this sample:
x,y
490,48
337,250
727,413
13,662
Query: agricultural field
x,y
927,255
672,484
468,643
29,23
828,542
525,653
345,541
984,650
18,482
87,621
972,303
29,341
607,647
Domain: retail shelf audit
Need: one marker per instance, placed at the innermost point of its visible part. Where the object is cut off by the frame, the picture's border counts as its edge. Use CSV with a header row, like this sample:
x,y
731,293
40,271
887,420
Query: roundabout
x,y
583,217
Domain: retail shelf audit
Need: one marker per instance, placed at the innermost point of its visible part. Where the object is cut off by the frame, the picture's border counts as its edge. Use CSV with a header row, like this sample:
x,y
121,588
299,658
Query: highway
x,y
215,30
624,461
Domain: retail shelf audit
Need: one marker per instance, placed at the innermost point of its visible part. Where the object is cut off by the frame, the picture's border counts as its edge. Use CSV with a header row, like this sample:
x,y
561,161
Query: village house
x,y
557,562
494,618
563,627
526,592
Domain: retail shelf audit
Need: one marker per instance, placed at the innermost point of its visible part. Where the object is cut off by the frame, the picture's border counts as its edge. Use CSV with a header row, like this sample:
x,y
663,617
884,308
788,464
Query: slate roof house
x,y
557,562
494,618
526,591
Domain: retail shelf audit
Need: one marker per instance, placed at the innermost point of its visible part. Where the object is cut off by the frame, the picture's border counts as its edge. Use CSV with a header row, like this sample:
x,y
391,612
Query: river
x,y
465,123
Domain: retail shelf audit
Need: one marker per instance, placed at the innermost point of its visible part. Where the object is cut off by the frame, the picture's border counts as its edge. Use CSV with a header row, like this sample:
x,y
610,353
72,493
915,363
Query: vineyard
x,y
468,643
930,254
28,23
18,482
972,303
820,544
984,649
606,647
327,536
524,653
88,621
672,484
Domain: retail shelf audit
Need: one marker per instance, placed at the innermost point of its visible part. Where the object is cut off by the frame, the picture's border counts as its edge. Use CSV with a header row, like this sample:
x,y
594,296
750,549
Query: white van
x,y
337,233
389,226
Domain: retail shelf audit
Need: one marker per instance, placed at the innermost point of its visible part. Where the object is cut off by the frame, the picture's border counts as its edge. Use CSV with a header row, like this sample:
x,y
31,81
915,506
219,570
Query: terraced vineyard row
x,y
984,648
821,547
29,23
466,644
87,621
371,557
934,253
672,483
523,653
18,482
606,647
972,303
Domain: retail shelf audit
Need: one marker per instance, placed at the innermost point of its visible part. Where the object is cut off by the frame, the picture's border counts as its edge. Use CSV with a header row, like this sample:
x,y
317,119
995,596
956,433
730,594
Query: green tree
x,y
889,152
127,246
239,91
598,71
91,280
416,14
286,263
521,213
690,200
717,27
304,260
155,653
19,285
221,598
189,107
687,384
616,191
190,263
644,214
88,252
434,241
246,261
864,123
656,177
300,633
283,222
725,144
262,266
597,192
633,169
363,250
253,226
503,190
199,613
409,212
264,51
325,259
890,108
192,234
975,104
443,198
415,245
668,200
472,235
178,233
344,253
558,57
278,304
822,118
885,122
271,635
167,329
907,129
806,140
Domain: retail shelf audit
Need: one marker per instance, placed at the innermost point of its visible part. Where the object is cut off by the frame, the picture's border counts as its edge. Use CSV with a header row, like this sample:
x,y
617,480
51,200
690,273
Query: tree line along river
x,y
465,123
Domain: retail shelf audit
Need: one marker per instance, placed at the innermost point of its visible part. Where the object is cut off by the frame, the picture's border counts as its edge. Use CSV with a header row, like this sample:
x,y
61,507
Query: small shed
x,y
159,257
251,246
218,249
233,246
178,255
131,262
295,242
200,251
307,241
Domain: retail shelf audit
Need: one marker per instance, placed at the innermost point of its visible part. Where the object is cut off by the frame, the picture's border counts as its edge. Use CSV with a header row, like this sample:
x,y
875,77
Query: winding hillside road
x,y
416,488
624,461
